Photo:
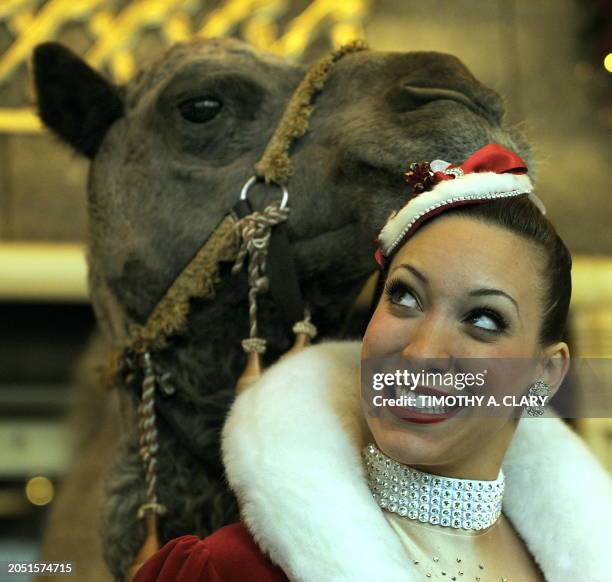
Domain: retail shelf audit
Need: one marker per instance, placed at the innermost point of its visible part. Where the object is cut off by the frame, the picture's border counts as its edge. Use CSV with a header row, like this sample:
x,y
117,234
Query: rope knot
x,y
255,231
155,508
255,345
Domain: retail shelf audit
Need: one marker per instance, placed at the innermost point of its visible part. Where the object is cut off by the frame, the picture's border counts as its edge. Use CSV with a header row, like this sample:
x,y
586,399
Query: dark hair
x,y
522,217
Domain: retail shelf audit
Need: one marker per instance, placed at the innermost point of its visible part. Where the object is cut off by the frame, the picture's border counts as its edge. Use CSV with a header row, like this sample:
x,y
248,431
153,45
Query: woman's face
x,y
459,288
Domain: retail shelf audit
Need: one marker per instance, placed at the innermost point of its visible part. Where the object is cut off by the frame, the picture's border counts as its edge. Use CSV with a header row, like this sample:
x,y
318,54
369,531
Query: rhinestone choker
x,y
445,501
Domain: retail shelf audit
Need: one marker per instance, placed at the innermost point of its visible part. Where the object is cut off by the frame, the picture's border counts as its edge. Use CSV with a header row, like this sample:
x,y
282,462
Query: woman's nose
x,y
430,340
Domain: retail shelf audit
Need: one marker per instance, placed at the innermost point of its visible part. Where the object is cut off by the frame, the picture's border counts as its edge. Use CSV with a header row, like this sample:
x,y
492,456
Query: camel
x,y
170,152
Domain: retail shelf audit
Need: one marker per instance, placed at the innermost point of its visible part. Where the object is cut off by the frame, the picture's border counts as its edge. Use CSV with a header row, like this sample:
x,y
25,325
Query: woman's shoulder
x,y
229,554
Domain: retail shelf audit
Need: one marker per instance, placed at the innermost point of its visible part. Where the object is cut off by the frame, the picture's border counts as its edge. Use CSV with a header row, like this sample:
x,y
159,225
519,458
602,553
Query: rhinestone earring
x,y
539,388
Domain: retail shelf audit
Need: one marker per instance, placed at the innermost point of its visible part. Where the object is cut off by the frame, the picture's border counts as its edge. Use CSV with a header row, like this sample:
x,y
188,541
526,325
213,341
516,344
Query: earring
x,y
539,388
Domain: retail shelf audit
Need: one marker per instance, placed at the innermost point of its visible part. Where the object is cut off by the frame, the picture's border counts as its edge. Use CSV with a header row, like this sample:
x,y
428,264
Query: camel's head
x,y
171,150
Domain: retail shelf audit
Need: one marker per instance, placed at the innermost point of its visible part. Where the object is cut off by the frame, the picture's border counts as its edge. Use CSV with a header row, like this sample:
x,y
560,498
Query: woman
x,y
334,487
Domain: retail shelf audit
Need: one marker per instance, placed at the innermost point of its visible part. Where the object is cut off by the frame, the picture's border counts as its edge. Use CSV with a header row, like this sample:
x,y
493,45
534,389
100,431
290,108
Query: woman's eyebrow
x,y
414,271
485,291
475,293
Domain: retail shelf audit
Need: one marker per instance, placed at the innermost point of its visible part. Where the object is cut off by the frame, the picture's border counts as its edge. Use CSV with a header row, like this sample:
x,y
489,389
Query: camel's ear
x,y
74,101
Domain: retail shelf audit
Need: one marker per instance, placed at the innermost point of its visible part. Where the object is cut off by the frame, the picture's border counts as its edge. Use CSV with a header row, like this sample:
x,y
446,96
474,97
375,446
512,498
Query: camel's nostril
x,y
426,94
407,97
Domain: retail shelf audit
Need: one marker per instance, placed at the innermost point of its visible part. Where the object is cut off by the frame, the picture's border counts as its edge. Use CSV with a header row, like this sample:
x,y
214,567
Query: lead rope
x,y
255,230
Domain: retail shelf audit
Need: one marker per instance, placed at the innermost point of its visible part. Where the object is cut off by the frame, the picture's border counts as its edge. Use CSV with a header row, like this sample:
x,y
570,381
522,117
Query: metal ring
x,y
252,180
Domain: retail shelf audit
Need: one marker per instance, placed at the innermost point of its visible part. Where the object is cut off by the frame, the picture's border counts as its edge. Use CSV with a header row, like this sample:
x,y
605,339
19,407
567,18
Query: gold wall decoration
x,y
116,29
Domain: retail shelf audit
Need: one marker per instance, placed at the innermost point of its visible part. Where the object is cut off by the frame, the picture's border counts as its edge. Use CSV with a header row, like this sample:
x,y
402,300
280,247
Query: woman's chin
x,y
420,444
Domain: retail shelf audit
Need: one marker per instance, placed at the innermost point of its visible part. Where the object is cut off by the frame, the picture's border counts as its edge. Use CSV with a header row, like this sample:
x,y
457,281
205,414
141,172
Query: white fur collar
x,y
292,452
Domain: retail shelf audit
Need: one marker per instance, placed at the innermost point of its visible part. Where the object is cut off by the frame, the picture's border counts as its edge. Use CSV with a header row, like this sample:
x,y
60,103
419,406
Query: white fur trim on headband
x,y
475,186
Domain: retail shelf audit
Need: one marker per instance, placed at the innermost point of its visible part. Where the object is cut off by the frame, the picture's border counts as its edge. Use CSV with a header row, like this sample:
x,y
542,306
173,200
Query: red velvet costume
x,y
228,555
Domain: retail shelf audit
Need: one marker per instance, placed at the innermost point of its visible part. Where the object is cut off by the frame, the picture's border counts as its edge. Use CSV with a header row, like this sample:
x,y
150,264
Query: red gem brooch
x,y
420,177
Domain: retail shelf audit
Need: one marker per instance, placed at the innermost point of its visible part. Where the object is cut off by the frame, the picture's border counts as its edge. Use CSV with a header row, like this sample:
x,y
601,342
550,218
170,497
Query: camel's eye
x,y
200,109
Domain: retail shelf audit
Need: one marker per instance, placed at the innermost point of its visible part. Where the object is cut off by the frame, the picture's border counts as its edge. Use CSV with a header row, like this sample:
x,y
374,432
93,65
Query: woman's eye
x,y
200,109
399,294
406,299
487,321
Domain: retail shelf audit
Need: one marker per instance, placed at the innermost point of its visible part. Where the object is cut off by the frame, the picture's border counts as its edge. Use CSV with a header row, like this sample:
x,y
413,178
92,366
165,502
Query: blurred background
x,y
550,59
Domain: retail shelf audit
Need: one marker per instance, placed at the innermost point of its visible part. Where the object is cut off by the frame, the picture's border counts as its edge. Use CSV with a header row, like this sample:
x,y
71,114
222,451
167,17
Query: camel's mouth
x,y
330,232
308,249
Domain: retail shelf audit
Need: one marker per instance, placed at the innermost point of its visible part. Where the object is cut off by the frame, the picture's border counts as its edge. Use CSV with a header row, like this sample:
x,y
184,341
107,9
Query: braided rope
x,y
148,437
275,165
255,230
